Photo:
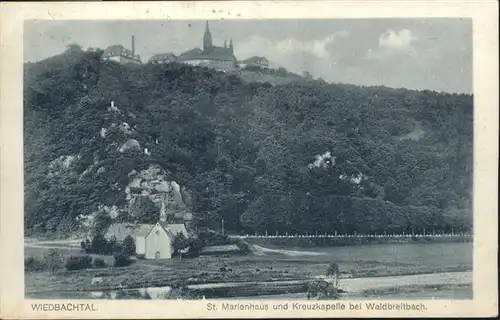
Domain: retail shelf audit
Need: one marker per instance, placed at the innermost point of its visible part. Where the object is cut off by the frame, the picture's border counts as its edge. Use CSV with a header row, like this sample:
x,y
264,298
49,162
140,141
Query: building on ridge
x,y
210,56
121,54
254,61
163,58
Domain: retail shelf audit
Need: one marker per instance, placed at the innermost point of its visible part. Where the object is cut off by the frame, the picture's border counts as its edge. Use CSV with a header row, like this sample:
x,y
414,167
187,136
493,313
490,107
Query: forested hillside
x,y
302,156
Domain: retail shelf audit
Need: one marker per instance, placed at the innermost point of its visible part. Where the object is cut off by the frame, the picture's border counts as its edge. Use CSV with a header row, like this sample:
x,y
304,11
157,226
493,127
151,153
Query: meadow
x,y
262,265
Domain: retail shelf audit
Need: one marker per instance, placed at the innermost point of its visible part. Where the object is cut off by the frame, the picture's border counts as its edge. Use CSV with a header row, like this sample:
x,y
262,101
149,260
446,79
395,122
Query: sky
x,y
434,54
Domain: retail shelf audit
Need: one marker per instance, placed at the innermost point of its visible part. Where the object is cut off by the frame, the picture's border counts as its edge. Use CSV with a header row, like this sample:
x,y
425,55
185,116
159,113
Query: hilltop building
x,y
163,58
122,55
254,61
209,56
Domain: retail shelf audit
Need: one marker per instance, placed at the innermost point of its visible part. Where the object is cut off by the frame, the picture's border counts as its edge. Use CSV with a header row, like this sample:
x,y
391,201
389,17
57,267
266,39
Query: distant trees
x,y
78,262
245,151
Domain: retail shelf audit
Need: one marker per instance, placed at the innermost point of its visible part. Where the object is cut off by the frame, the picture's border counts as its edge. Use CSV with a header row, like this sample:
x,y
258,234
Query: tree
x,y
99,244
333,271
129,245
112,245
73,47
179,243
101,223
242,149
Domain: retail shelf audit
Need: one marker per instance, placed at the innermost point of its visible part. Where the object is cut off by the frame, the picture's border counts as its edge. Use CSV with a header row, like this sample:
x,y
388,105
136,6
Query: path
x,y
33,243
360,284
354,285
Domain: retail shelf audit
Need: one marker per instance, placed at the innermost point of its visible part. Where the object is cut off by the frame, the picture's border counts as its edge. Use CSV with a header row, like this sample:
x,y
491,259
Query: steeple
x,y
163,212
231,45
207,39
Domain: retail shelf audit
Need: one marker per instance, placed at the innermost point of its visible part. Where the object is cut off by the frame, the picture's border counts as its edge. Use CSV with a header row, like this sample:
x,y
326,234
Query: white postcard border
x,y
485,25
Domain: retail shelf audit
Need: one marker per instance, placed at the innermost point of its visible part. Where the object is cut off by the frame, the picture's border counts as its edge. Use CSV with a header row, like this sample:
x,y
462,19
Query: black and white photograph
x,y
240,160
304,159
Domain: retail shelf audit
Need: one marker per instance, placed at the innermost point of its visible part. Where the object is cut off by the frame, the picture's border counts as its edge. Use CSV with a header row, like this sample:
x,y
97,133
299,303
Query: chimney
x,y
133,44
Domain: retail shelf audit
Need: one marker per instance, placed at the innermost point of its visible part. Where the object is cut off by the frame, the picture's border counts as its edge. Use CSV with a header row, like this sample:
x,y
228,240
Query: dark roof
x,y
218,53
254,59
119,50
191,54
171,229
163,56
121,230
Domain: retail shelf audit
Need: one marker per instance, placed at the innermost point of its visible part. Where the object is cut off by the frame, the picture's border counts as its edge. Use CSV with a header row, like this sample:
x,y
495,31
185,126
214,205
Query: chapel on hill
x,y
209,56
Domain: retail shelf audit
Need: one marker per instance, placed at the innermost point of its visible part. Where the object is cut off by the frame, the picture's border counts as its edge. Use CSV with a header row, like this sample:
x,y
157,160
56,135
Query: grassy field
x,y
447,291
315,242
359,261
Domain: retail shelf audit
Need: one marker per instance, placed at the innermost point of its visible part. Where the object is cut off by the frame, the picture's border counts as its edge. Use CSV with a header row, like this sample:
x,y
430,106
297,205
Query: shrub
x,y
179,242
78,262
128,245
99,263
35,264
54,260
212,238
122,260
242,245
98,244
333,270
112,246
322,290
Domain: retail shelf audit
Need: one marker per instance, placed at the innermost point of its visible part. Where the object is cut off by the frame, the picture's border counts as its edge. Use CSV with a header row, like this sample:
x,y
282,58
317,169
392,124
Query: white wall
x,y
160,242
140,245
121,59
211,63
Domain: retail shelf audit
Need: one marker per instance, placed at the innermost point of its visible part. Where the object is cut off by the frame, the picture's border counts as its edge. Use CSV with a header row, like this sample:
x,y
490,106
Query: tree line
x,y
303,156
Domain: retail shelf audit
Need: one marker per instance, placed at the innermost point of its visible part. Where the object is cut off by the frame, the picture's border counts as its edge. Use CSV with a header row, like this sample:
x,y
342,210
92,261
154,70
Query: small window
x,y
157,232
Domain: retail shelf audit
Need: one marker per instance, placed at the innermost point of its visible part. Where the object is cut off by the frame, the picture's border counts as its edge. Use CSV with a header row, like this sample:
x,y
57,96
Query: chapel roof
x,y
217,53
122,230
173,229
190,54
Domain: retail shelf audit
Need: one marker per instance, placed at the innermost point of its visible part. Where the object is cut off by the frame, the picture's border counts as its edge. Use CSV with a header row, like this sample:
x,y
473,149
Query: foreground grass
x,y
145,273
438,291
354,262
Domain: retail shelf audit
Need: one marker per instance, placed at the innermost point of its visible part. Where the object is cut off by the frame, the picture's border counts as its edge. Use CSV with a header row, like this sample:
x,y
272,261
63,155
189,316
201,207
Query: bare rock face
x,y
154,184
62,165
131,144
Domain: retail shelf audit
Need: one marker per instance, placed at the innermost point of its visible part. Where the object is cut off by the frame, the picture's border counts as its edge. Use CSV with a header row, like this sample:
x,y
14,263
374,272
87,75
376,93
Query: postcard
x,y
249,159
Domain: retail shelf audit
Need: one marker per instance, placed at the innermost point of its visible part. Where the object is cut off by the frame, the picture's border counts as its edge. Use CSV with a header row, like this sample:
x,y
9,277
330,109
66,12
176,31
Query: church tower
x,y
163,212
207,40
231,46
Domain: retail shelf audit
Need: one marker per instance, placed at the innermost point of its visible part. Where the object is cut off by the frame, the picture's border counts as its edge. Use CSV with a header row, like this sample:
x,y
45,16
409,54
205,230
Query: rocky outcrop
x,y
131,144
153,183
62,164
